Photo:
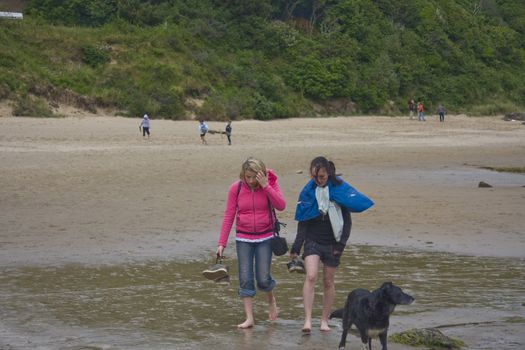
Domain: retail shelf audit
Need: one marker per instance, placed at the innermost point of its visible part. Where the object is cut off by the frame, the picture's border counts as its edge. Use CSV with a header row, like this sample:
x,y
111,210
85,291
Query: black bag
x,y
279,244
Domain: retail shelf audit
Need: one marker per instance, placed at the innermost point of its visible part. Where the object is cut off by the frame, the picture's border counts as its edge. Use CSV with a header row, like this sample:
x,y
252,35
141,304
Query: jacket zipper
x,y
253,209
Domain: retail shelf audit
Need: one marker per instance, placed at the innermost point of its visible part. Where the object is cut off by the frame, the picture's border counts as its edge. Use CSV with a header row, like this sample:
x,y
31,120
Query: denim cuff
x,y
245,293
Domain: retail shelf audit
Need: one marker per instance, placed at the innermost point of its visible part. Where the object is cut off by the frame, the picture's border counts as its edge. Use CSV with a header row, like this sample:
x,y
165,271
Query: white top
x,y
145,121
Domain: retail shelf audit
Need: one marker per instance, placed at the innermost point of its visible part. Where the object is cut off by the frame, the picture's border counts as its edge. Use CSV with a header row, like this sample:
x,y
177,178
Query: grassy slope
x,y
157,69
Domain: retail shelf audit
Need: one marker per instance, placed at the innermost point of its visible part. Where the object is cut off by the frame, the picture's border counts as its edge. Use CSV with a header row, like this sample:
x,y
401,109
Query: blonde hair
x,y
252,164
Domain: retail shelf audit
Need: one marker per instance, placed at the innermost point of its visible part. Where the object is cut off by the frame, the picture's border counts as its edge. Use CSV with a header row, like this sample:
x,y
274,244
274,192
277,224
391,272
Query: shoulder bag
x,y
279,244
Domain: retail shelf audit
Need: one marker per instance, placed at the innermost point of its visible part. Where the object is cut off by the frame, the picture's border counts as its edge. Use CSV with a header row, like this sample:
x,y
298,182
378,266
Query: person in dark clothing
x,y
228,131
441,112
324,239
411,108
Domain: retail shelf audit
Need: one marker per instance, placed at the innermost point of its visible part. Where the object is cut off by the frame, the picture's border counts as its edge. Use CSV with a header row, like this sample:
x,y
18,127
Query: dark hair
x,y
321,162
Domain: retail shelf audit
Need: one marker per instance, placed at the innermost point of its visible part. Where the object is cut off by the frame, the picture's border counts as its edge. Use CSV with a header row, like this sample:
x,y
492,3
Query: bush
x,y
495,108
27,106
262,108
4,91
95,56
246,59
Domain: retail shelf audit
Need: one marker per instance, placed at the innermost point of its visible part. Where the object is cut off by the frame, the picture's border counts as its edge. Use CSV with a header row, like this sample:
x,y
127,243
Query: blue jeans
x,y
261,254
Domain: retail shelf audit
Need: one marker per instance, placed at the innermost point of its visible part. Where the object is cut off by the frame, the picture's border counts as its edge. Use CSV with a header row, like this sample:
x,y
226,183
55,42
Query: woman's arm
x,y
229,215
299,238
347,227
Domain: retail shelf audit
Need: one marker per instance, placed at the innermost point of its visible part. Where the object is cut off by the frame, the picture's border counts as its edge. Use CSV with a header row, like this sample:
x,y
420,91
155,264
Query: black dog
x,y
370,312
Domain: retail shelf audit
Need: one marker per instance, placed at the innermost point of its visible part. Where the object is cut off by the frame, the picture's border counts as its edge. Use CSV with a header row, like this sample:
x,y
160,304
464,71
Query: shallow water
x,y
161,305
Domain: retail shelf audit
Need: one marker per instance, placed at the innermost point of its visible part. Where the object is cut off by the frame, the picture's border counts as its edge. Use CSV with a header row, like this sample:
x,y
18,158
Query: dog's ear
x,y
385,288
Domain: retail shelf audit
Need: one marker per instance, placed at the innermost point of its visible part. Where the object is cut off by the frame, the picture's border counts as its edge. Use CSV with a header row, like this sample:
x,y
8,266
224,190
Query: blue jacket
x,y
343,194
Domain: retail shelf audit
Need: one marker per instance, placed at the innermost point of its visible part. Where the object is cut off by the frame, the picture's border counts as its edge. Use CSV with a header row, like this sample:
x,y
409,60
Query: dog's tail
x,y
337,314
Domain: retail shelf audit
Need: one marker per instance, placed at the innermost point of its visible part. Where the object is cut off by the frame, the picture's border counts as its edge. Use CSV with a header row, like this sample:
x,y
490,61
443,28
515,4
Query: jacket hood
x,y
272,177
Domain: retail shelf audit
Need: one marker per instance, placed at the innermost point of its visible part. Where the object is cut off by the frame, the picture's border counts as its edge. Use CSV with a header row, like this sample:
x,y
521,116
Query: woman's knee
x,y
311,278
266,285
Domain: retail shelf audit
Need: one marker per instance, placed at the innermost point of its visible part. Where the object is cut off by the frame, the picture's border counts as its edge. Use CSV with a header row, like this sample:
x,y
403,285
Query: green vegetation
x,y
30,106
517,170
427,337
515,319
269,59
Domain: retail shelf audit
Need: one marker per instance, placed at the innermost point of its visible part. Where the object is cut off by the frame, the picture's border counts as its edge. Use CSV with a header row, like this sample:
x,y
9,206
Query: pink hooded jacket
x,y
250,211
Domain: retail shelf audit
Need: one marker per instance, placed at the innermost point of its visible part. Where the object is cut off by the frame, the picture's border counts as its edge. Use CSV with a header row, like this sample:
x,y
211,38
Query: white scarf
x,y
322,196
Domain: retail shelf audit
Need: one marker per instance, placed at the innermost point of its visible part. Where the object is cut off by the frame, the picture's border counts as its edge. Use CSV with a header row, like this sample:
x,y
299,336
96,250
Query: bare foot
x,y
325,327
272,309
246,324
307,327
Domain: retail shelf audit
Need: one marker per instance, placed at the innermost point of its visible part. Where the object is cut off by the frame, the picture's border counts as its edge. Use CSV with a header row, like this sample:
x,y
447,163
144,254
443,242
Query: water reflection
x,y
170,306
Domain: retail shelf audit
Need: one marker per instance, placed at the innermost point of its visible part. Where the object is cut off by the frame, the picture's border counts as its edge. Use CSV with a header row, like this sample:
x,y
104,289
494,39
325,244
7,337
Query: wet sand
x,y
90,190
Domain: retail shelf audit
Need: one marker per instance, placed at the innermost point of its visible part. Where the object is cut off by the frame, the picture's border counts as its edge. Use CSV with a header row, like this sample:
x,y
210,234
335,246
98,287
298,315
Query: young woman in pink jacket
x,y
248,204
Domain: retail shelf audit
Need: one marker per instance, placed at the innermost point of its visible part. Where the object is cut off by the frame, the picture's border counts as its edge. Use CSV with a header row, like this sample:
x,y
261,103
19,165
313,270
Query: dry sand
x,y
90,189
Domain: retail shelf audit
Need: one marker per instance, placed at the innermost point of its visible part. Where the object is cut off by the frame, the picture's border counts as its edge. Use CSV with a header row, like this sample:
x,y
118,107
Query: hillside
x,y
264,59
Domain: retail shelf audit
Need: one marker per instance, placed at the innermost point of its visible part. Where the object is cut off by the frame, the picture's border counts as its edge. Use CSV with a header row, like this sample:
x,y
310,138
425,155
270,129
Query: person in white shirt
x,y
203,129
144,125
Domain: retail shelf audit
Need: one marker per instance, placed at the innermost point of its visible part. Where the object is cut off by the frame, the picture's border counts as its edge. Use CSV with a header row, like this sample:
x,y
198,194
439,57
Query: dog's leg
x,y
382,339
364,339
347,323
342,343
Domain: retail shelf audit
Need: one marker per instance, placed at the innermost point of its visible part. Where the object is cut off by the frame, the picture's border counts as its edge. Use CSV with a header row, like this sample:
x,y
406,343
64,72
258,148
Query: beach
x,y
90,190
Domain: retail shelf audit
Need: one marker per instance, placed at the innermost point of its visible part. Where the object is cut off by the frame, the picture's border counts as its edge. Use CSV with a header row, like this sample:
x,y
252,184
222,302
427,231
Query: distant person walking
x,y
144,125
228,131
441,112
411,108
203,129
420,112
